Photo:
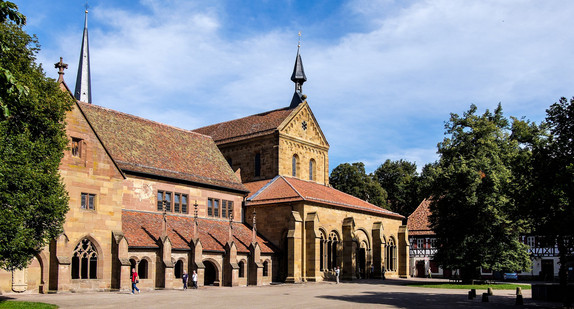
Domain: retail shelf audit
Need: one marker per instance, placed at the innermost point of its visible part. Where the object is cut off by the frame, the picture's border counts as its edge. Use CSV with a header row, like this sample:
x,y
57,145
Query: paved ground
x,y
356,294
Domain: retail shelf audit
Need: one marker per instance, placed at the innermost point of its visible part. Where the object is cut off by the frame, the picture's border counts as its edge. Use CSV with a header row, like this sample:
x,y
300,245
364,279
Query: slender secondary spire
x,y
298,77
83,81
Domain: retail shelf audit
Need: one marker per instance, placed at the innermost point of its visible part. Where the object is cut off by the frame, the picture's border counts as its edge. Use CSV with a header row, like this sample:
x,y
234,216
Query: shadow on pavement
x,y
431,301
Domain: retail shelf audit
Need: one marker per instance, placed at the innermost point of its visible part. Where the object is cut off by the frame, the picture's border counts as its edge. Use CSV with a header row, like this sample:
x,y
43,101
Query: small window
x,y
311,169
210,207
241,269
266,269
88,201
76,147
161,197
226,208
257,164
294,165
183,205
216,208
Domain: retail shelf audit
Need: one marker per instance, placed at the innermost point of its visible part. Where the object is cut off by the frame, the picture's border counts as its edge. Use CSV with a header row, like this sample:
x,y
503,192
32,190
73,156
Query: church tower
x,y
83,81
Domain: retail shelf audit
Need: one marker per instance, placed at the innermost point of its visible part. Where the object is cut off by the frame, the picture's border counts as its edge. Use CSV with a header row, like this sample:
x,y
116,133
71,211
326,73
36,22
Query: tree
x,y
552,192
352,179
475,213
33,200
400,180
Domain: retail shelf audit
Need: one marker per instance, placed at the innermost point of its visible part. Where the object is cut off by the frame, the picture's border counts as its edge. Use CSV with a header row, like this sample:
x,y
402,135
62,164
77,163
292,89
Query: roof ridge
x,y
381,209
237,119
143,119
263,188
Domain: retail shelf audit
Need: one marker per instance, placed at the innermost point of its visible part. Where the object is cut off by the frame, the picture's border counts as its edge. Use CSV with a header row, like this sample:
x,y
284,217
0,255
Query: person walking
x,y
337,273
194,279
135,280
184,279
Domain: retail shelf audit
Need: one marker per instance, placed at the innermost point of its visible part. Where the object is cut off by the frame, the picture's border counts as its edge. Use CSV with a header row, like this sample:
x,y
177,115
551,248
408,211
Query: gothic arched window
x,y
85,261
294,163
311,169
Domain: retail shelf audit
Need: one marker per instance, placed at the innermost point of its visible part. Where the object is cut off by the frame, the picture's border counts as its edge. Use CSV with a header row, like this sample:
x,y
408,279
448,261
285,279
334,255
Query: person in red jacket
x,y
135,280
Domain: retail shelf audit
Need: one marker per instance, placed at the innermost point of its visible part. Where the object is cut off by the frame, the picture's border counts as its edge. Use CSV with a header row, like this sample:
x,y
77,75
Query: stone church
x,y
243,202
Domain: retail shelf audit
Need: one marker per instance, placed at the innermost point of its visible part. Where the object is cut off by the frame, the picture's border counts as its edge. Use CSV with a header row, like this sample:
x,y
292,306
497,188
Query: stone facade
x,y
359,239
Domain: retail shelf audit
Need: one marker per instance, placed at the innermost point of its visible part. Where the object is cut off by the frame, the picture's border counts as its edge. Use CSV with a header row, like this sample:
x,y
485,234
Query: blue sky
x,y
383,75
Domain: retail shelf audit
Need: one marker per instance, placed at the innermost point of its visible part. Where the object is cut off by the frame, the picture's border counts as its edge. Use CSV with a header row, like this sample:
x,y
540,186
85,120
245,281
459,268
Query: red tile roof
x,y
247,127
285,189
143,229
145,146
418,222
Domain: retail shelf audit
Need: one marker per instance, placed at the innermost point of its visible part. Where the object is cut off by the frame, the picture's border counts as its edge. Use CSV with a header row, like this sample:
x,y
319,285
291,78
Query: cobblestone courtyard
x,y
356,294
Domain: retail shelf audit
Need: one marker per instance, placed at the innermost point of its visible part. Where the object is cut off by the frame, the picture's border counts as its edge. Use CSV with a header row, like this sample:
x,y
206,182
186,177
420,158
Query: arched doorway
x,y
210,275
361,261
178,271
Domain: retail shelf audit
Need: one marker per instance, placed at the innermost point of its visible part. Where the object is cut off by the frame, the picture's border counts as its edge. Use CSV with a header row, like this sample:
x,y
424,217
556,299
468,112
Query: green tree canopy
x,y
33,200
352,179
551,197
474,212
400,180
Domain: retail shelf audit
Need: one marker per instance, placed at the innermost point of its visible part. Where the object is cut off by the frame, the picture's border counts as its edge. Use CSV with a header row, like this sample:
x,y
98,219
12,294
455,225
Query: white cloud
x,y
380,93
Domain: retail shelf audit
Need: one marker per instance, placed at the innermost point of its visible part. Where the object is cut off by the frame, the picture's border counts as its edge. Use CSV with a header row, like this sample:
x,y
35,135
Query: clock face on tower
x,y
304,125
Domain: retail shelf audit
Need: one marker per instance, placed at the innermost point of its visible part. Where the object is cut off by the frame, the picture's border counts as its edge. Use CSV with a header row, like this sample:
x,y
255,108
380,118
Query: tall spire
x,y
83,81
298,77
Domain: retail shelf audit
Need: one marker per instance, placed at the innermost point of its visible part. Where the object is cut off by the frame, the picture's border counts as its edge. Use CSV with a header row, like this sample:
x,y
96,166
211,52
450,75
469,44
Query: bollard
x,y
489,291
473,293
519,300
518,290
485,297
470,295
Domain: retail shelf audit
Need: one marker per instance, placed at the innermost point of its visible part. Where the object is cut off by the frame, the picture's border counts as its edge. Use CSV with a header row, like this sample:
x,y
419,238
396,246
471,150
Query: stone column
x,y
294,257
403,251
312,243
378,249
348,271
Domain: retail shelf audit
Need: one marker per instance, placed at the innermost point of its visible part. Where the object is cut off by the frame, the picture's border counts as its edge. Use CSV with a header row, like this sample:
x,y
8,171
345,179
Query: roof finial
x,y
61,66
299,43
83,80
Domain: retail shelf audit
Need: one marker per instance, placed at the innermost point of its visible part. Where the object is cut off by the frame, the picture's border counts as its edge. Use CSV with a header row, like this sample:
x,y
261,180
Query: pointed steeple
x,y
298,77
83,81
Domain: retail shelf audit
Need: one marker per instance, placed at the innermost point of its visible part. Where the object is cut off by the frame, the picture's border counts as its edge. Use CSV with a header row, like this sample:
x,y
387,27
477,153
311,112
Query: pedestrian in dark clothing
x,y
184,279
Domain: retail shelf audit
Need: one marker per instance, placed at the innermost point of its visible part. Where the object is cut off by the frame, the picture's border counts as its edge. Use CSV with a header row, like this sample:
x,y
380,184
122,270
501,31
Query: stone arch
x,y
45,271
178,268
266,265
334,242
312,169
212,272
242,268
144,267
363,235
323,249
295,165
391,254
87,259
